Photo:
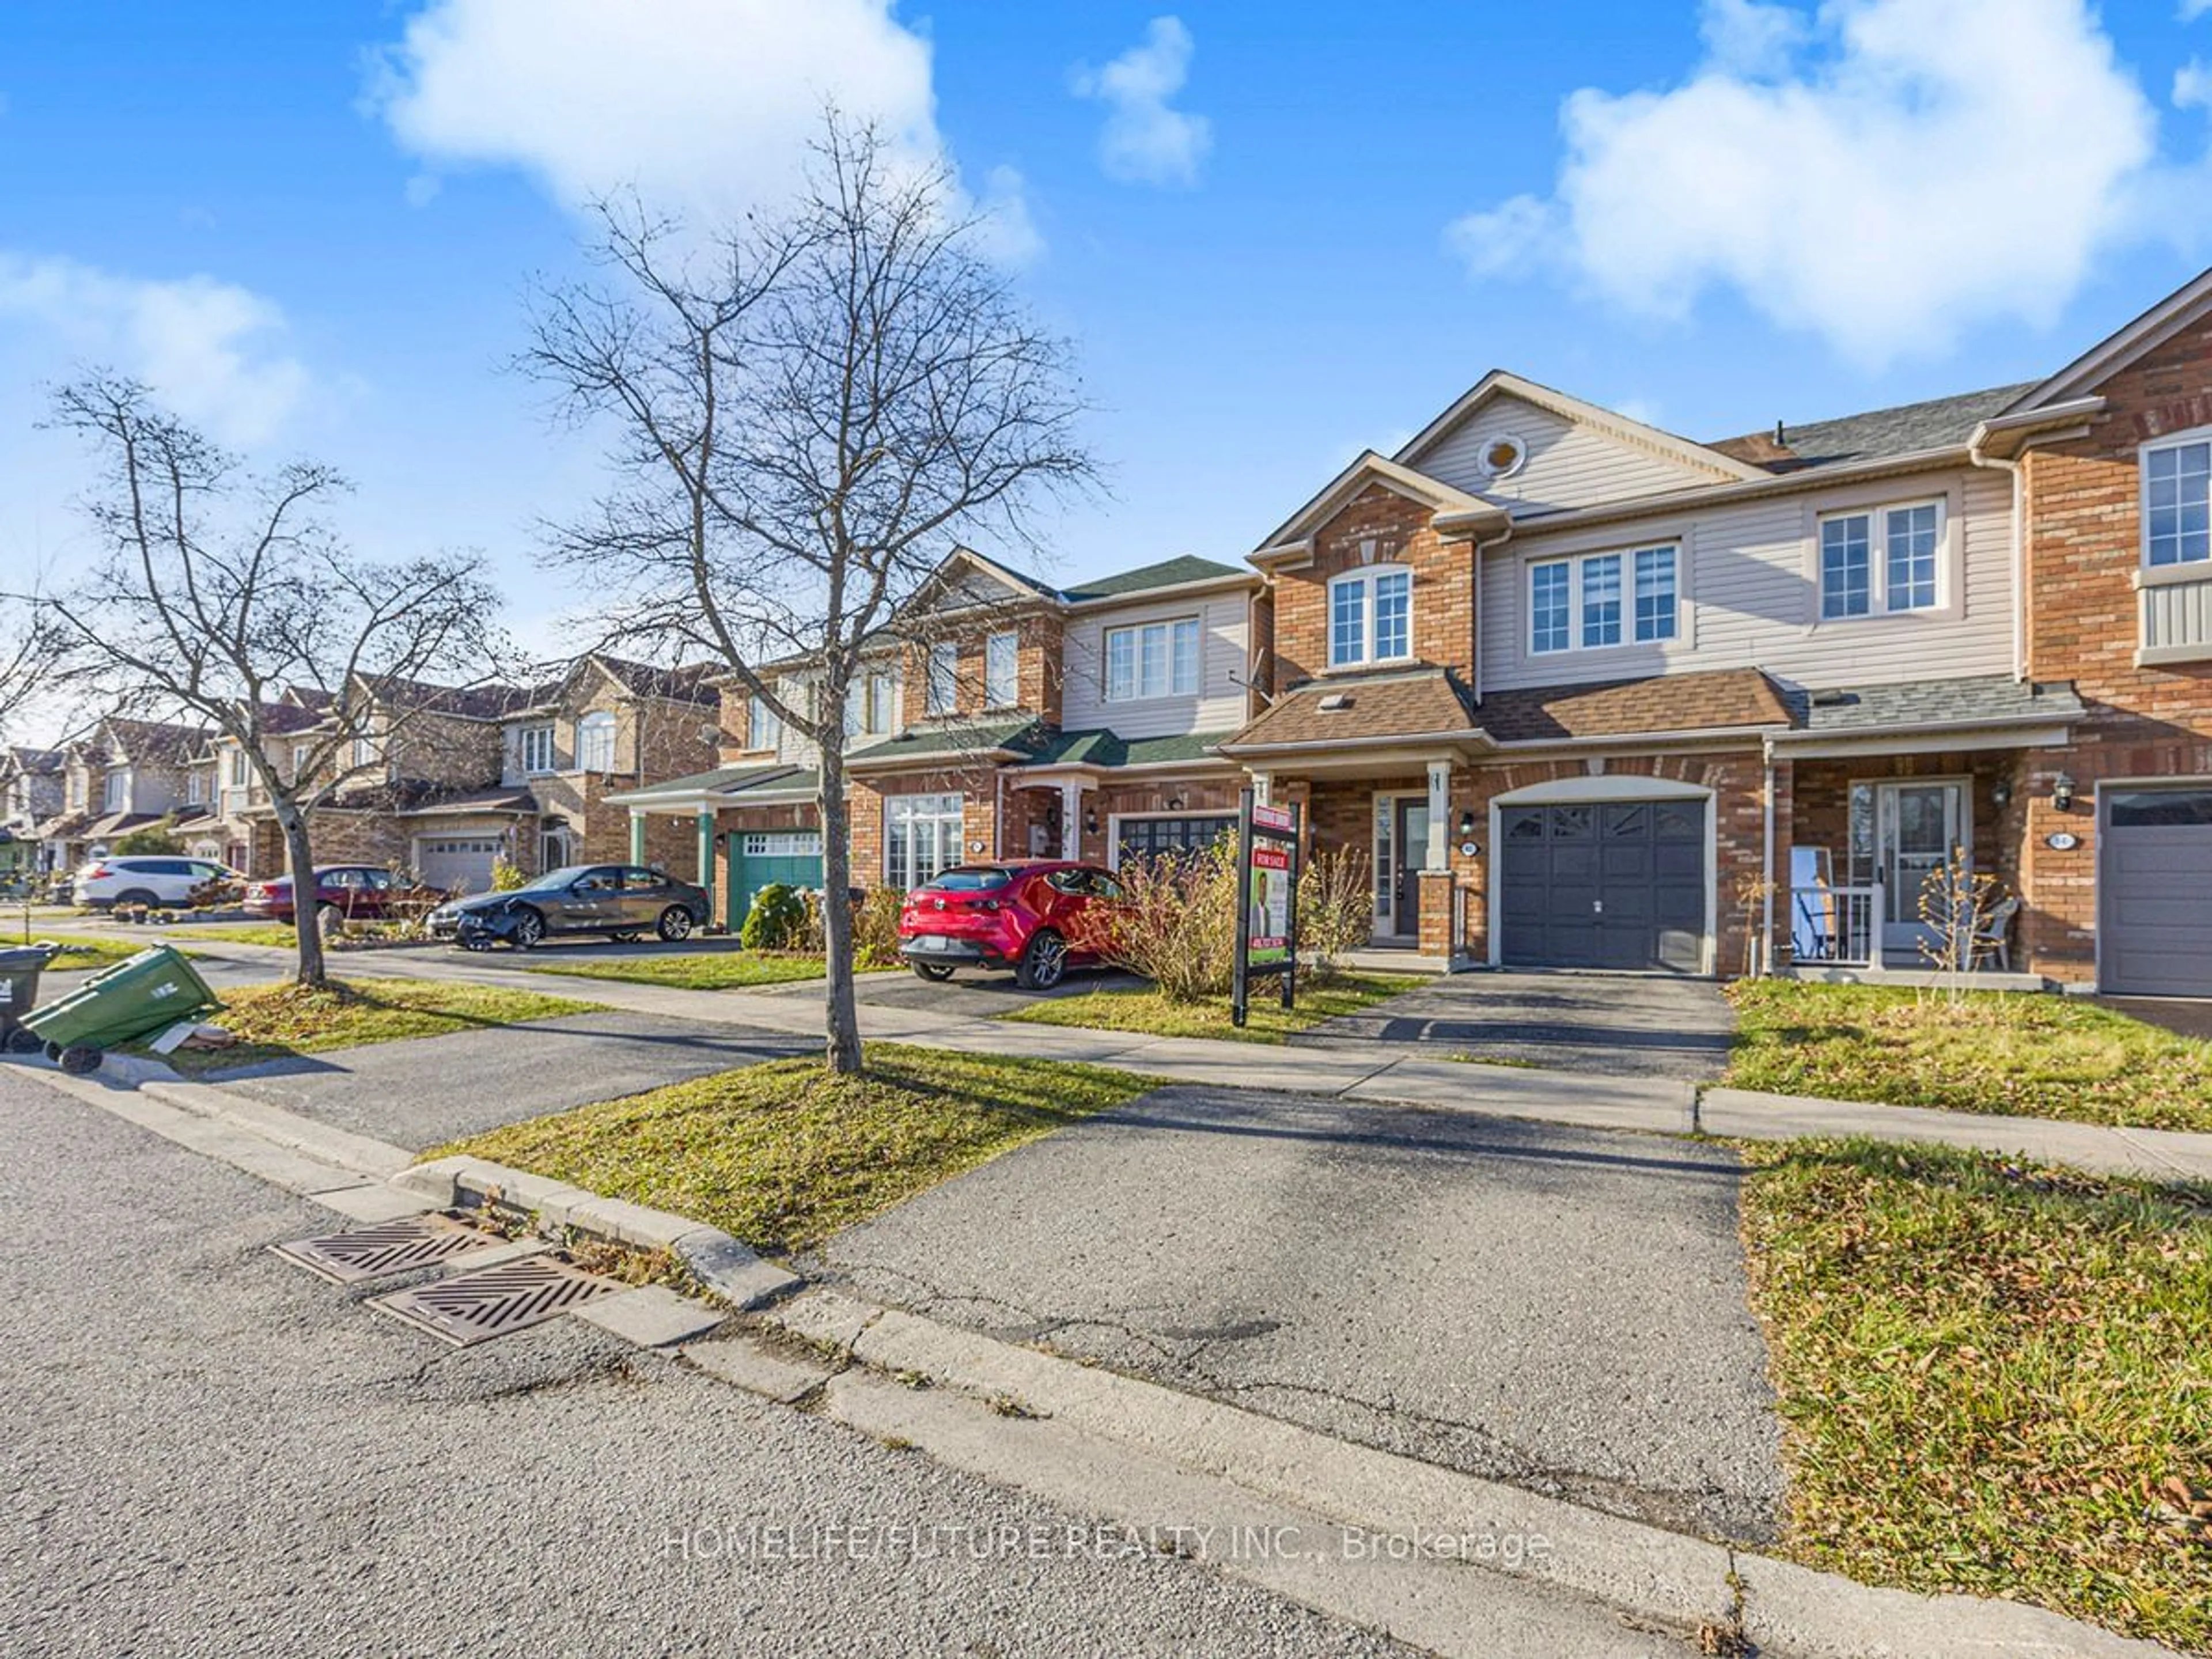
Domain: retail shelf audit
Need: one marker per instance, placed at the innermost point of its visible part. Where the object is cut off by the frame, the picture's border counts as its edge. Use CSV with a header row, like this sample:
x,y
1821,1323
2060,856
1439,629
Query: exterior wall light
x,y
2062,792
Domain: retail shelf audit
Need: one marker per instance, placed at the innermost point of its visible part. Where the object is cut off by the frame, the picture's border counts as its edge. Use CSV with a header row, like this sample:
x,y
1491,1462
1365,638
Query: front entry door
x,y
1412,838
1917,826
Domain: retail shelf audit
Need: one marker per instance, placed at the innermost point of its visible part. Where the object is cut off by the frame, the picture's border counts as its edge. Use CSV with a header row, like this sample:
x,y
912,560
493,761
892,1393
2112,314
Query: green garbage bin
x,y
19,968
155,988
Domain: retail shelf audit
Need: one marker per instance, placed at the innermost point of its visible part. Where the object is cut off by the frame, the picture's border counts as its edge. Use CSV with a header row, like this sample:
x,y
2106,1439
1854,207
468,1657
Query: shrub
x,y
215,893
776,921
157,838
506,876
1177,925
875,928
1336,908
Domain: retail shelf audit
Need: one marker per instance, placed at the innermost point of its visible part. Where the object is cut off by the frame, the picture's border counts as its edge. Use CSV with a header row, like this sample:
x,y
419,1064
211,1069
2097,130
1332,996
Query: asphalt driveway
x,y
430,1090
1561,1309
1629,1025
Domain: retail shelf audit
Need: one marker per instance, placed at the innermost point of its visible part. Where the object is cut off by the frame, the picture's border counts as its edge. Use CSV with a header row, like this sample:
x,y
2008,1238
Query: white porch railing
x,y
1837,926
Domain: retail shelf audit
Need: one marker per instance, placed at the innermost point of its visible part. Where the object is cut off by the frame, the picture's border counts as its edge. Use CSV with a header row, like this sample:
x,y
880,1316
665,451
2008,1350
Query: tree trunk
x,y
841,1048
306,923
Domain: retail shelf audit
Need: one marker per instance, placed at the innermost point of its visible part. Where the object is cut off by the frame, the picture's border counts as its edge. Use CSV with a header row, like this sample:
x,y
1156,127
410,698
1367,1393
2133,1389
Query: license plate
x,y
927,943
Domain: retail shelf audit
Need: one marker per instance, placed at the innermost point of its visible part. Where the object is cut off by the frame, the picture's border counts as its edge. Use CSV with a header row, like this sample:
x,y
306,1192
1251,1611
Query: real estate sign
x,y
1267,901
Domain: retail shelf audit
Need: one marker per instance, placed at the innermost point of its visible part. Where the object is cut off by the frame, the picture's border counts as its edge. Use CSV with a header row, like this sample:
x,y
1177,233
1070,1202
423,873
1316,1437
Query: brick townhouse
x,y
1587,694
124,775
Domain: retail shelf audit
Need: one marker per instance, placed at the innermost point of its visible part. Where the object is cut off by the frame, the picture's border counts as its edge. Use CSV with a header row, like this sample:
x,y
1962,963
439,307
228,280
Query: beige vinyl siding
x,y
1567,465
1225,638
1748,578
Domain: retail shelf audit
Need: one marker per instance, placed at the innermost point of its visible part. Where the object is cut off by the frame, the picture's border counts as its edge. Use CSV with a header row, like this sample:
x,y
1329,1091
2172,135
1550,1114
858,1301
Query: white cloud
x,y
1872,183
2193,9
2192,84
707,106
210,350
1144,142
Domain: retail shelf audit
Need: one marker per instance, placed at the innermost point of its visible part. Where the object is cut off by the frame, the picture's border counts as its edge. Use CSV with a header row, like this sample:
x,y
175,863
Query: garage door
x,y
2154,904
459,864
793,857
1604,885
1151,838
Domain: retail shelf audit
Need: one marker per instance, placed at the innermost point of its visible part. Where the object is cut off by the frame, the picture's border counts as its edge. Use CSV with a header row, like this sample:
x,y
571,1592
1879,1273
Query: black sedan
x,y
624,901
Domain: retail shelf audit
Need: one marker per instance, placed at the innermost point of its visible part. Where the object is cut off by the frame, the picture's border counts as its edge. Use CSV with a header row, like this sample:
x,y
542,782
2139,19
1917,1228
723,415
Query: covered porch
x,y
732,831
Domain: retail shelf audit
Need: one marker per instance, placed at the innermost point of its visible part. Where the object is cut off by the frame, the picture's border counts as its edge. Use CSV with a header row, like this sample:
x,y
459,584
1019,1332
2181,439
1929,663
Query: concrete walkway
x,y
1352,1069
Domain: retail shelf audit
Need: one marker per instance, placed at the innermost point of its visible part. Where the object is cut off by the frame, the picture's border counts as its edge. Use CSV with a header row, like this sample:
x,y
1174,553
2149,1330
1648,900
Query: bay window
x,y
1152,659
922,836
1600,599
1371,616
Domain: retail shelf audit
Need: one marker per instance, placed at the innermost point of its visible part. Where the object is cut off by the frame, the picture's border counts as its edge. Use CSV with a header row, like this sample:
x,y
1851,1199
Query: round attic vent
x,y
1502,455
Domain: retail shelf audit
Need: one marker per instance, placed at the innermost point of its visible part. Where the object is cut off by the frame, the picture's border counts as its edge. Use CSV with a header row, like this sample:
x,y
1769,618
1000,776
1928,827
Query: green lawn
x,y
782,1154
79,953
692,970
2037,1056
1993,1379
274,1021
1149,1012
236,932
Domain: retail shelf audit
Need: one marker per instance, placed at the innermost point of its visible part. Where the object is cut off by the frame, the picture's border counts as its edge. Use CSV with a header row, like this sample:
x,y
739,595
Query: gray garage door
x,y
459,864
2154,904
1604,885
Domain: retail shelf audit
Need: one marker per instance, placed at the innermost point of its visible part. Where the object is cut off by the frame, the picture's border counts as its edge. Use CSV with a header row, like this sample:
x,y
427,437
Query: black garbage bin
x,y
19,968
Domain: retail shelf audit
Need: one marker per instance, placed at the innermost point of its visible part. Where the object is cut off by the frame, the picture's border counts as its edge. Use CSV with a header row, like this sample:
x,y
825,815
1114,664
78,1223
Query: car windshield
x,y
561,878
971,878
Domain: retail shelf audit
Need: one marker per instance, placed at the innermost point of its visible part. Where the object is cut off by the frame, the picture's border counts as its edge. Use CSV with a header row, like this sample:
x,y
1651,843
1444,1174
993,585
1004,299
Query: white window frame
x,y
1368,579
883,701
115,789
1576,567
536,746
942,688
2178,569
763,730
1877,516
1002,670
364,752
301,754
195,787
1147,662
905,862
595,732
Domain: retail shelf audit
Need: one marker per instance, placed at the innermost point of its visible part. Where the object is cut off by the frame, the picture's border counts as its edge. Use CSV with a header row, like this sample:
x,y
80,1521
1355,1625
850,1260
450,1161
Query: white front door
x,y
1918,826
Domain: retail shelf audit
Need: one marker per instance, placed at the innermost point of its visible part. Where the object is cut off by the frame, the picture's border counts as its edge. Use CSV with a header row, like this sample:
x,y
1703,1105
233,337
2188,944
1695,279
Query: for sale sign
x,y
1267,900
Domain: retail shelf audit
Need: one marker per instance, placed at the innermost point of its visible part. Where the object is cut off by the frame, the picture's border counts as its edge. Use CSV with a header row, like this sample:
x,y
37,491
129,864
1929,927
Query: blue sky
x,y
1276,234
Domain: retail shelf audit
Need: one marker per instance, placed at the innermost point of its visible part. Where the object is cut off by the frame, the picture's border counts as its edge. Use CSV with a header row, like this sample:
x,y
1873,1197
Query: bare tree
x,y
810,410
225,595
26,657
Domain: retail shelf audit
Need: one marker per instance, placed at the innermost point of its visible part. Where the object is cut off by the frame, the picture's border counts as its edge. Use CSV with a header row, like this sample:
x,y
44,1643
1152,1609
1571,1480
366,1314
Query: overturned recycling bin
x,y
155,988
19,968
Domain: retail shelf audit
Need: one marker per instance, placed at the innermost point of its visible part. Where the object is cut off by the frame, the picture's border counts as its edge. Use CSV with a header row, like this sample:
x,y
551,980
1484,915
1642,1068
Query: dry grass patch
x,y
272,1022
1991,1051
1155,1015
783,1154
1994,1378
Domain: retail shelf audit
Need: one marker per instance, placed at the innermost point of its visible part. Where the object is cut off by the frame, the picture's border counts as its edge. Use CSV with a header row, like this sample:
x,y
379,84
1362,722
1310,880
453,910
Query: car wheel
x,y
134,895
675,924
529,929
624,939
77,1060
936,972
1044,962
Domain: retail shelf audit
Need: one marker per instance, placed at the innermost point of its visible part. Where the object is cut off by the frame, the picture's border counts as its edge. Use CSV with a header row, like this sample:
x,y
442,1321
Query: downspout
x,y
1979,457
1767,861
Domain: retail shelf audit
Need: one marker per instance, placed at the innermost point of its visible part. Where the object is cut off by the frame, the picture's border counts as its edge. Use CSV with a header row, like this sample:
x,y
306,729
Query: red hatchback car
x,y
1026,916
359,892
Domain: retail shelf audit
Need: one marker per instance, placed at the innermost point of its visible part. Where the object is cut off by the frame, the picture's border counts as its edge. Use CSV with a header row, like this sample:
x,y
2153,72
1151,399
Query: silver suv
x,y
142,878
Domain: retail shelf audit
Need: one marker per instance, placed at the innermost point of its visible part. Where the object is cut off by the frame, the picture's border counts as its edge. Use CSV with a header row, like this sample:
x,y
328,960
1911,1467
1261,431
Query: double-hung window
x,y
943,687
2177,503
537,749
1371,616
763,729
117,789
595,742
1152,659
1002,670
1886,559
1600,600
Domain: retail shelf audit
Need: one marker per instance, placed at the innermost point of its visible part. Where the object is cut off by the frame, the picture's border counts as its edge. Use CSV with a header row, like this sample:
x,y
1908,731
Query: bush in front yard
x,y
1177,924
875,928
776,921
1336,908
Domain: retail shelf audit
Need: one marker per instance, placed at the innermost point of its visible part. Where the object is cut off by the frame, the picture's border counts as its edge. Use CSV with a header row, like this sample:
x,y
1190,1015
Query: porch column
x,y
706,854
1263,785
1438,855
1071,819
636,836
1439,931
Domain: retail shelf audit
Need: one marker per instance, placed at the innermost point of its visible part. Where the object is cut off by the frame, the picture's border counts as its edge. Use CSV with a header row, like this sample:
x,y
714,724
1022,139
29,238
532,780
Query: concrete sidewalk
x,y
1370,1072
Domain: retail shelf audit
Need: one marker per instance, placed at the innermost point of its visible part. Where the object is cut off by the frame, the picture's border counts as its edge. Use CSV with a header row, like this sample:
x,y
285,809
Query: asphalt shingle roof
x,y
1994,698
1169,573
1103,748
1021,737
1709,700
1875,434
1421,702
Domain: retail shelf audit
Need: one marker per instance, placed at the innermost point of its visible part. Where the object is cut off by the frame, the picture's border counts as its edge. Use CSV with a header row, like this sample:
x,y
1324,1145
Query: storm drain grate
x,y
476,1307
388,1248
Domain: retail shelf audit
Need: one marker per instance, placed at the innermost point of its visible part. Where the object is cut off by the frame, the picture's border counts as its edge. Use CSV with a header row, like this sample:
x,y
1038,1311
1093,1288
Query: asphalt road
x,y
1561,1309
209,1452
421,1093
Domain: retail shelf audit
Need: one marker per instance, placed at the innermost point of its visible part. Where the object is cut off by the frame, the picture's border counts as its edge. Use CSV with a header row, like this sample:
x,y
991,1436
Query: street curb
x,y
726,1266
1642,1571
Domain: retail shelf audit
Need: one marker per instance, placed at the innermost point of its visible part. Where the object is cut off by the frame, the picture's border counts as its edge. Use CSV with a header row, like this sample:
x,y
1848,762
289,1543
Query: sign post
x,y
1266,901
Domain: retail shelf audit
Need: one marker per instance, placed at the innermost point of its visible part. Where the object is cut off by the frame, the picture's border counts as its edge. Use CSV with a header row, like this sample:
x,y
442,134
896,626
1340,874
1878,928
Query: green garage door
x,y
762,857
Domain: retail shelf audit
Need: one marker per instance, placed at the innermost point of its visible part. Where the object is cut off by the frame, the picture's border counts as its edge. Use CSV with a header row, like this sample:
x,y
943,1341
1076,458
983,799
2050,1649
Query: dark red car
x,y
359,892
1026,916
